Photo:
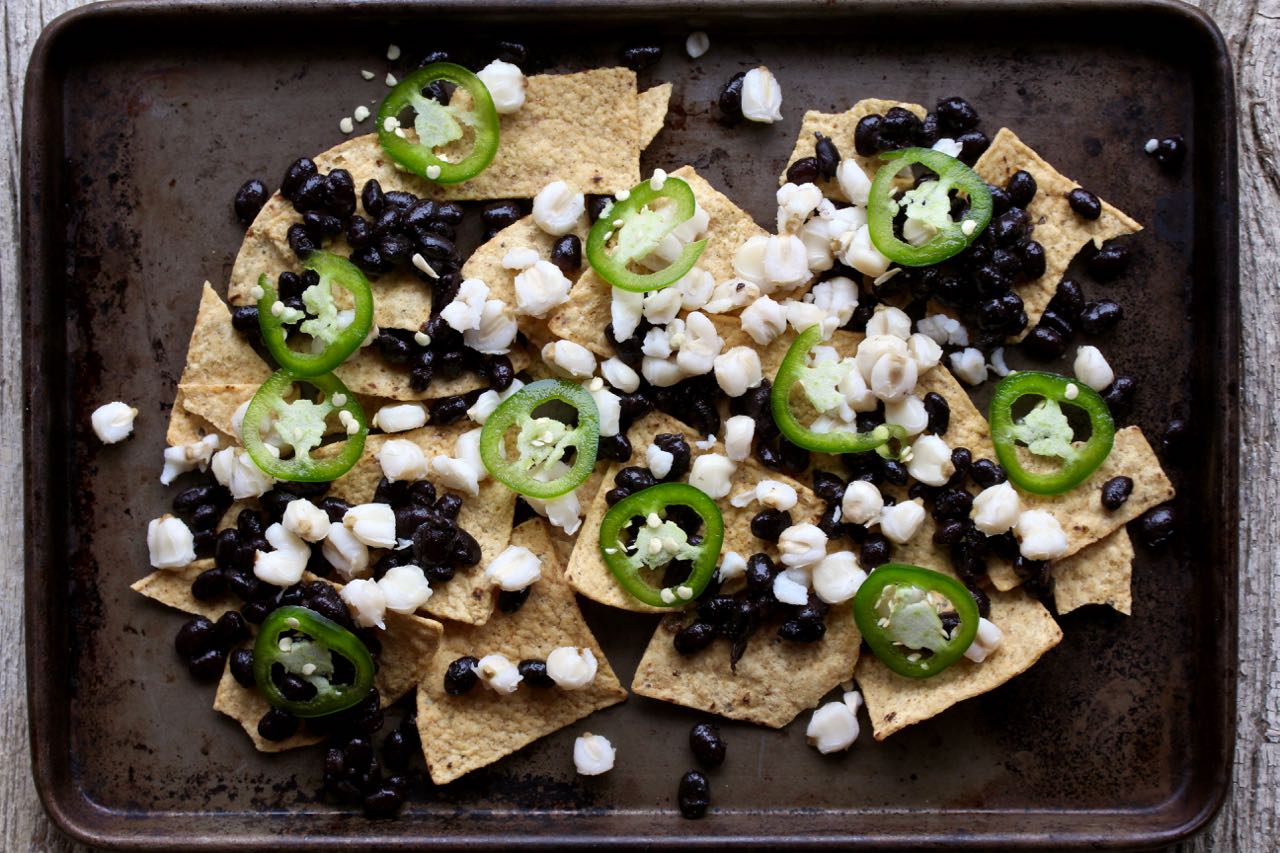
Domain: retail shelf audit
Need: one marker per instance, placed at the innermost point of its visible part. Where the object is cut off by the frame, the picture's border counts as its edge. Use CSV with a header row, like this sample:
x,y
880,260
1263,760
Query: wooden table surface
x,y
1247,822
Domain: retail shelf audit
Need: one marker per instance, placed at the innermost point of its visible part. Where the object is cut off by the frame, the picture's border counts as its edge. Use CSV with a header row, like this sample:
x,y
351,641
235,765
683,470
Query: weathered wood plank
x,y
1249,819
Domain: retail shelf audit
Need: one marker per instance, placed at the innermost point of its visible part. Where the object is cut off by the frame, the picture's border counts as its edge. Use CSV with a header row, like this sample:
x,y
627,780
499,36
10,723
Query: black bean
x,y
827,155
802,630
510,601
939,412
928,134
1110,262
768,524
614,447
1085,204
1170,152
500,214
894,472
277,725
987,473
999,313
207,665
1033,261
567,254
1009,228
707,745
694,795
1116,491
342,193
1100,316
1156,526
898,127
956,115
1174,441
230,629
866,136
1068,300
1044,344
461,676
716,610
642,56
760,572
875,551
694,638
447,410
466,550
949,532
535,673
197,635
827,486
634,479
255,611
313,194
396,750
596,205
242,667
803,171
449,506
1119,394
295,689
300,241
972,146
298,172
1059,323
372,199
249,199
952,503
1022,188
433,543
1000,200
395,248
438,574
730,100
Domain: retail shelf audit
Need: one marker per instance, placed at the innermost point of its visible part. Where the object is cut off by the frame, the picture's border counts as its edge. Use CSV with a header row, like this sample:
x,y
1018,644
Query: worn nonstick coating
x,y
141,122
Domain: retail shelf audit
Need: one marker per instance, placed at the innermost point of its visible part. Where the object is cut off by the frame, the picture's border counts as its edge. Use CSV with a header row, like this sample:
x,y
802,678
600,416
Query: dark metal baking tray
x,y
141,120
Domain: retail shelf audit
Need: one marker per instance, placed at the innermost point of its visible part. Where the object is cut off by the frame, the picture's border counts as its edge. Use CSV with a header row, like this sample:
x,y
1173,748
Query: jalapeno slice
x,y
542,442
302,424
897,611
659,541
636,230
322,319
795,372
1045,432
928,206
437,125
304,644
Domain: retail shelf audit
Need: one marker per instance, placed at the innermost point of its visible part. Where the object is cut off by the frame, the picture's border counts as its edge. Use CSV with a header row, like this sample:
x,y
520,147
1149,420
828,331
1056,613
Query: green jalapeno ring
x,y
788,379
302,468
613,268
331,638
421,159
1050,386
656,500
884,647
951,239
518,410
332,269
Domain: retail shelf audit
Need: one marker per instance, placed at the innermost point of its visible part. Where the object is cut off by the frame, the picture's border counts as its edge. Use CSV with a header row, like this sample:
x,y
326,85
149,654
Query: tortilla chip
x,y
246,706
368,374
184,427
172,587
469,596
839,127
895,702
216,404
1057,228
583,318
653,112
464,733
1099,574
774,681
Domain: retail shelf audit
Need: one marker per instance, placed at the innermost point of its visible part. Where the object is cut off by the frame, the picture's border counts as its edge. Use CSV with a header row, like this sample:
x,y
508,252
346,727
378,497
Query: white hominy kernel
x,y
405,588
931,461
499,674
571,668
837,577
391,79
374,524
739,431
985,642
802,545
367,601
346,125
393,52
1040,536
557,208
113,422
697,44
593,755
711,474
862,502
306,520
761,96
1151,146
900,522
516,568
403,460
368,75
506,85
618,374
170,543
360,113
1091,368
834,726
996,509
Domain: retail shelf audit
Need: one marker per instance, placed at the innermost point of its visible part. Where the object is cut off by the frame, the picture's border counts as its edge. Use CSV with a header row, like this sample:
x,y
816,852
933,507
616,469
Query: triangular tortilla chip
x,y
216,404
172,587
839,128
1058,229
1099,574
217,354
653,112
774,681
184,427
583,318
463,733
468,597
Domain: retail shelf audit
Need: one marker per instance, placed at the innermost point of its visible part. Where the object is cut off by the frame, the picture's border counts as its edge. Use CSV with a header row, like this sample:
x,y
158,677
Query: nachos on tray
x,y
400,462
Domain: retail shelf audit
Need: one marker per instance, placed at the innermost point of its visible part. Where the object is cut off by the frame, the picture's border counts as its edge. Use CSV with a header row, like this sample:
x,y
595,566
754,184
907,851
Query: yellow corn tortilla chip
x,y
184,427
653,112
1057,228
583,318
464,733
895,702
408,644
216,404
172,587
368,374
839,127
1099,574
1079,511
469,596
774,681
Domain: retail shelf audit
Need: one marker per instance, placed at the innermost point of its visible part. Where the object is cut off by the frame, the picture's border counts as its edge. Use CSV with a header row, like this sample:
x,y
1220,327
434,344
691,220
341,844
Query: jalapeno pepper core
x,y
302,424
928,206
542,442
659,542
437,125
308,654
795,372
322,321
896,609
1045,430
639,230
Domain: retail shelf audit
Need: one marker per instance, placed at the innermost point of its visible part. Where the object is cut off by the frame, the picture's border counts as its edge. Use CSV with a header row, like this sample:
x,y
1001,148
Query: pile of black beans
x,y
694,794
201,507
739,616
636,478
822,165
769,446
951,118
354,773
446,356
204,644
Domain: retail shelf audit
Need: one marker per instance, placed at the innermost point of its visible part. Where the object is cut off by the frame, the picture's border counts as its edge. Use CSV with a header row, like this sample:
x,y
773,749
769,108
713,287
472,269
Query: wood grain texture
x,y
1248,820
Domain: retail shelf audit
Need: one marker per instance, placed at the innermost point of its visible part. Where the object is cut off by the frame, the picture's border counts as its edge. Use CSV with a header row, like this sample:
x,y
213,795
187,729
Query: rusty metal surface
x,y
142,121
